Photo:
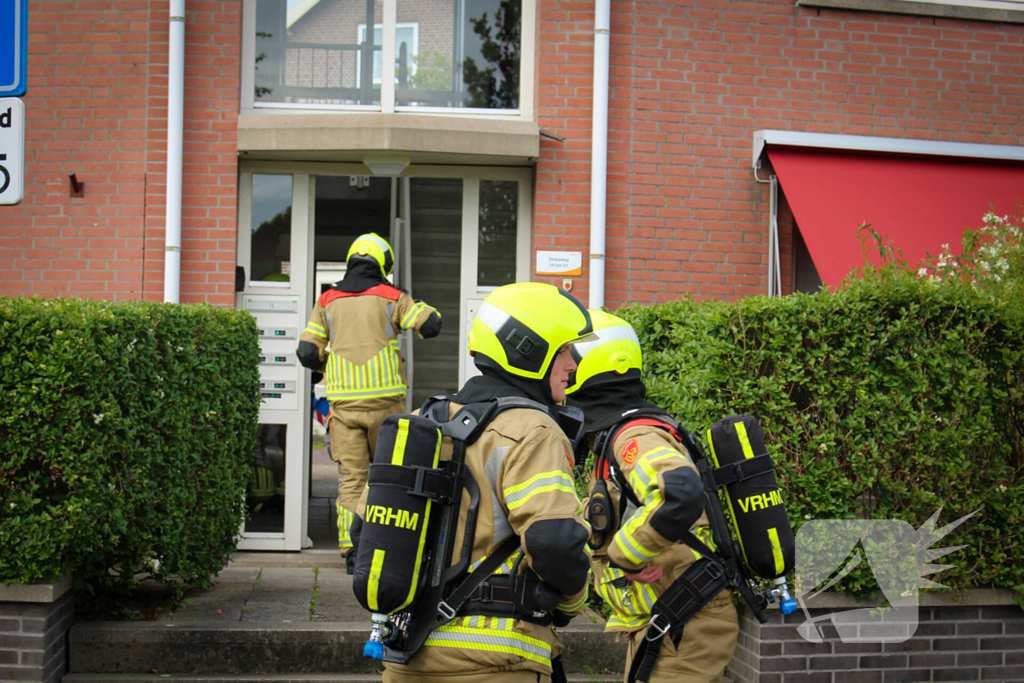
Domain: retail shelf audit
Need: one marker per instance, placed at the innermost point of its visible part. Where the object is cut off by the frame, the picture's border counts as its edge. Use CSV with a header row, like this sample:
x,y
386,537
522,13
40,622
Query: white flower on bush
x,y
1002,488
97,417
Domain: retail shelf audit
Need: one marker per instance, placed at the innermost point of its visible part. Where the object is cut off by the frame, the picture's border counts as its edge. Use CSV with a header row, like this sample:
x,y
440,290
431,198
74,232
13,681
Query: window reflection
x,y
462,54
499,215
264,495
271,228
317,52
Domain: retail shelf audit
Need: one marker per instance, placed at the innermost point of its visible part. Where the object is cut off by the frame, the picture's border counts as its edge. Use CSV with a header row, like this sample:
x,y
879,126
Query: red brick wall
x,y
96,105
691,81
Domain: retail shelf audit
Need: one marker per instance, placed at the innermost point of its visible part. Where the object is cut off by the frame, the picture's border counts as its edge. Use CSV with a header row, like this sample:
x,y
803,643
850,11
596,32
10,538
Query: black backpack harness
x,y
450,589
709,575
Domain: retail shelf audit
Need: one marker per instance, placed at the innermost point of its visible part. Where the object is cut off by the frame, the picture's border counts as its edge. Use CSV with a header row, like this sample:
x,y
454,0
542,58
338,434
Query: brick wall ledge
x,y
973,597
37,591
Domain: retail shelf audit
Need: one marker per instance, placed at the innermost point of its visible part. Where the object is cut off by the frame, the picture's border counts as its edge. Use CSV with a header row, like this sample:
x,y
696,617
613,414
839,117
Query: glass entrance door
x,y
272,248
457,234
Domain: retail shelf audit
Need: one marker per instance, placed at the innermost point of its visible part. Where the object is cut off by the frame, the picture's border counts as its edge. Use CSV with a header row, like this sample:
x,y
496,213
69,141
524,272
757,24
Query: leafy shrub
x,y
125,440
886,399
991,258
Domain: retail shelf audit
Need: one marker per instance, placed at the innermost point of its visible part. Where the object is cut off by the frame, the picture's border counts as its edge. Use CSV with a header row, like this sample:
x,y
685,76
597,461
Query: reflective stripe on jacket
x,y
357,335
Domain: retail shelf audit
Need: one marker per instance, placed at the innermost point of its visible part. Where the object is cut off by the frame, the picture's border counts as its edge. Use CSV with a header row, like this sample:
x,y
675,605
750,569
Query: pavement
x,y
275,588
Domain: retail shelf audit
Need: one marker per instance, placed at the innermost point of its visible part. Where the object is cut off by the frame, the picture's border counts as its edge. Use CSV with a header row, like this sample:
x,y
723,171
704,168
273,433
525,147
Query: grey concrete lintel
x,y
349,136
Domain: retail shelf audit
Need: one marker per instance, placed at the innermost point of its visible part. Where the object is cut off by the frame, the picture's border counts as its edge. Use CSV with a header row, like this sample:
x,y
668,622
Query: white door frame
x,y
302,282
296,414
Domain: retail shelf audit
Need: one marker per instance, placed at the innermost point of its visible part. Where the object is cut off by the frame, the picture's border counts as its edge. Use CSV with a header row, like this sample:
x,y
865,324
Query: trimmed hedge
x,y
886,399
125,439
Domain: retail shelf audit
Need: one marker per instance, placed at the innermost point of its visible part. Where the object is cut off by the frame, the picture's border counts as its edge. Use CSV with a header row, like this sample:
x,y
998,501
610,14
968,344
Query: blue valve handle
x,y
788,606
375,649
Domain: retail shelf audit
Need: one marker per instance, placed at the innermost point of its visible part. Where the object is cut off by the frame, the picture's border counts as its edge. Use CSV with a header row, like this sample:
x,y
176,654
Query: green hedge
x,y
886,399
125,438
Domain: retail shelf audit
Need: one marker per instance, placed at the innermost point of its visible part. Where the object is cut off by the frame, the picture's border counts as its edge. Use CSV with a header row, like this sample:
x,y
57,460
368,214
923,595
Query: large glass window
x,y
449,54
311,52
466,54
271,228
499,218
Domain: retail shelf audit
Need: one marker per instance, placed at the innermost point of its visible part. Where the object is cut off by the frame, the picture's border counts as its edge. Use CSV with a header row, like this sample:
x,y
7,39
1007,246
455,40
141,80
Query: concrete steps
x,y
206,651
268,678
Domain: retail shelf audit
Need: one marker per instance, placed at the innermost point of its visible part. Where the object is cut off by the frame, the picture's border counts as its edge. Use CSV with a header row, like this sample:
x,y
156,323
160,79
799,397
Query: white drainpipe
x,y
175,132
599,151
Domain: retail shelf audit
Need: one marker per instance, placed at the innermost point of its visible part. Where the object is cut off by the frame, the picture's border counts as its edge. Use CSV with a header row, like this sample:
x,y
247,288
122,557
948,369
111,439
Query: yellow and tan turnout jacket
x,y
644,453
522,464
357,335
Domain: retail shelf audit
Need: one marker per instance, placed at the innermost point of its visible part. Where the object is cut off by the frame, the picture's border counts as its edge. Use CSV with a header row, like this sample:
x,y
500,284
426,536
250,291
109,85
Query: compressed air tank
x,y
753,500
392,548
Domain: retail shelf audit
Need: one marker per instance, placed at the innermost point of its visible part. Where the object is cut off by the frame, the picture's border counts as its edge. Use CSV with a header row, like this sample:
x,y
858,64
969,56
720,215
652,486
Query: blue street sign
x,y
13,47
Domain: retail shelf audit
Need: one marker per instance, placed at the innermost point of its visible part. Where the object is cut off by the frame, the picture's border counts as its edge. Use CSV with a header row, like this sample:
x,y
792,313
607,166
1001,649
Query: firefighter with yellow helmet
x,y
352,336
522,462
644,492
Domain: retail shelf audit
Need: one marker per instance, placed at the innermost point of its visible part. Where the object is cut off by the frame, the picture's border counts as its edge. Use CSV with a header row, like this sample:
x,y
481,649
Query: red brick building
x,y
462,131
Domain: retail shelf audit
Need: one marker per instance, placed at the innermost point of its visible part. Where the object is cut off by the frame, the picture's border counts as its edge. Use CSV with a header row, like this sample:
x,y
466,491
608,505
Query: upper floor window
x,y
447,54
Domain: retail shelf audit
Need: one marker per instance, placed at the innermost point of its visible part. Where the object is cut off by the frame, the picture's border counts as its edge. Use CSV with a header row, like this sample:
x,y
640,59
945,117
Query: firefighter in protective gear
x,y
637,561
352,336
523,465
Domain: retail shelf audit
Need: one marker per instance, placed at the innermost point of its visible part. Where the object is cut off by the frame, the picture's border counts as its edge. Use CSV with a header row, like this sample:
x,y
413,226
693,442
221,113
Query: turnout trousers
x,y
705,649
486,677
353,440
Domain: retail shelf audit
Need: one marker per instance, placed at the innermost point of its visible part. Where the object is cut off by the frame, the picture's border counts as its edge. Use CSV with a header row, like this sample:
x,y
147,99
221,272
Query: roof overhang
x,y
865,144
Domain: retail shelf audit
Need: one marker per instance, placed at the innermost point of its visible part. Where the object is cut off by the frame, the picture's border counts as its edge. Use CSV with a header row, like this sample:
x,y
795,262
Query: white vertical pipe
x,y
599,151
175,133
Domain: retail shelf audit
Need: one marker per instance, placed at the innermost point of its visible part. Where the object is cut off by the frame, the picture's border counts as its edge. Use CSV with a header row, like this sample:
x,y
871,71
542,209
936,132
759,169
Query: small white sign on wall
x,y
12,150
559,263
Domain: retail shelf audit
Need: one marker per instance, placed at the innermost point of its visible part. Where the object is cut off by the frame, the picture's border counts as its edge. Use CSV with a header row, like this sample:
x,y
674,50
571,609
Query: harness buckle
x,y
486,592
715,569
661,630
445,610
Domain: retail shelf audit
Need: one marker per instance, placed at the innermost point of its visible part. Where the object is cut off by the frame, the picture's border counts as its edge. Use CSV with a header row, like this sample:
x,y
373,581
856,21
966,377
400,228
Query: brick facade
x,y
952,643
33,632
96,105
690,83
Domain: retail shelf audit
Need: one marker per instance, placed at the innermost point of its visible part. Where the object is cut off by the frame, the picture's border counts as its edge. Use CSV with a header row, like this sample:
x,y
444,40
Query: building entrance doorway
x,y
422,220
457,233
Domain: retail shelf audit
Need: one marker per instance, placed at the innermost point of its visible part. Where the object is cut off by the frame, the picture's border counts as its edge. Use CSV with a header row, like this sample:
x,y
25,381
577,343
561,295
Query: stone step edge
x,y
272,678
363,627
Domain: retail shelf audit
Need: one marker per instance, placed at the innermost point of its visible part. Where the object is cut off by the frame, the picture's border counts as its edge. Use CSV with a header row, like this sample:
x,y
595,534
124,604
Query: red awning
x,y
920,203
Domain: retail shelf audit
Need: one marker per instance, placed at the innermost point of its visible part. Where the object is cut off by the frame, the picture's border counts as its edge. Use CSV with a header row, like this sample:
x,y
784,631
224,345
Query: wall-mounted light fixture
x,y
386,165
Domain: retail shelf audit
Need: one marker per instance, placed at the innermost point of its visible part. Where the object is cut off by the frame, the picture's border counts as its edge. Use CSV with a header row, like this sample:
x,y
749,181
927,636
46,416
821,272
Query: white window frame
x,y
527,67
361,31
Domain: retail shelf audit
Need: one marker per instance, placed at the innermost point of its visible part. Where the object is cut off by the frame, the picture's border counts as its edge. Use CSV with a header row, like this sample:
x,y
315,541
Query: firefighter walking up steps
x,y
637,553
360,318
522,461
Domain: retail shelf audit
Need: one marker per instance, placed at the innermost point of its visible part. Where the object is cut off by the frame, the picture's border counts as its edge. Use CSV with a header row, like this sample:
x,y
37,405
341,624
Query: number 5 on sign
x,y
12,150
